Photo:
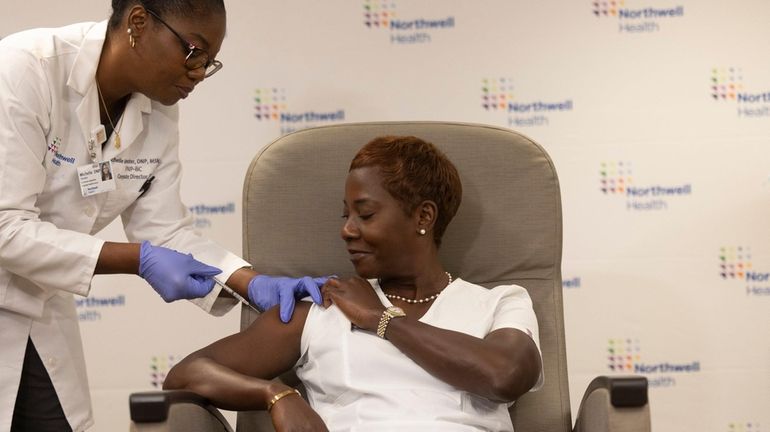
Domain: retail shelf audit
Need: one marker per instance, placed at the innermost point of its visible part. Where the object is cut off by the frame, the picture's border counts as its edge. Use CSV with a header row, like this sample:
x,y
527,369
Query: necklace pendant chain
x,y
109,118
422,300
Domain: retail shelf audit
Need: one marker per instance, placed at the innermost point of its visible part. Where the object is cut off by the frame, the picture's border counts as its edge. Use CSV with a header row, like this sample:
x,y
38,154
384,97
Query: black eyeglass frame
x,y
194,51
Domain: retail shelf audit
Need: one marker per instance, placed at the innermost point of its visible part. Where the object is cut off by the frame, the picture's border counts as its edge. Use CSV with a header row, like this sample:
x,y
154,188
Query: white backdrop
x,y
657,116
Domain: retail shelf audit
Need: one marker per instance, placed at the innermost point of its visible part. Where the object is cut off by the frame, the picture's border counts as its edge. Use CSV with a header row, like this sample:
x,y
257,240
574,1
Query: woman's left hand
x,y
295,415
357,300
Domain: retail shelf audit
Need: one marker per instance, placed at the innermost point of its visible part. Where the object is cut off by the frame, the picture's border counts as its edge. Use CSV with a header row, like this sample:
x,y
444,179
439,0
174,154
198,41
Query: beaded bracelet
x,y
280,396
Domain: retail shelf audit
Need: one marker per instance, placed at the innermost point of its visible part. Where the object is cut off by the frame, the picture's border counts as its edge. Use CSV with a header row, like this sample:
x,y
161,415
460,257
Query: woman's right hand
x,y
356,299
293,414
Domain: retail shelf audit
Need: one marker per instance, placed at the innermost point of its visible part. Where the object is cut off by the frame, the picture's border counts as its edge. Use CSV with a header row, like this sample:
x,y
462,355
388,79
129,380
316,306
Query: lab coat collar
x,y
83,69
82,79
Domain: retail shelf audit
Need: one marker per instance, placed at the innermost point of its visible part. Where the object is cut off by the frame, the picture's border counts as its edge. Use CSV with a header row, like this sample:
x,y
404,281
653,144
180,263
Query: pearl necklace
x,y
422,300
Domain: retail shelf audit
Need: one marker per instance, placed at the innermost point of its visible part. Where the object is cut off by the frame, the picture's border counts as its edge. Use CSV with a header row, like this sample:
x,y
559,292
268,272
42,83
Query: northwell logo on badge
x,y
636,17
91,308
382,14
735,264
615,178
159,368
497,95
624,355
727,85
270,105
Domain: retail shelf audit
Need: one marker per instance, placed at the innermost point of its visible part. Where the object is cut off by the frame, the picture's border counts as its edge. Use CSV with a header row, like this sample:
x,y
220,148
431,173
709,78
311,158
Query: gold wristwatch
x,y
387,314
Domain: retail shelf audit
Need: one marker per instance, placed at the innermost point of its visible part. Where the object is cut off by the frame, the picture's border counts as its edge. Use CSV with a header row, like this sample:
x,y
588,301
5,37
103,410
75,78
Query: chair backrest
x,y
508,228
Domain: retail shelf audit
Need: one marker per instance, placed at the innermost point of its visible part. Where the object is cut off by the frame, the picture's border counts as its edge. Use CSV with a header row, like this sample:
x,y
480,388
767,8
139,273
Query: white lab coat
x,y
49,109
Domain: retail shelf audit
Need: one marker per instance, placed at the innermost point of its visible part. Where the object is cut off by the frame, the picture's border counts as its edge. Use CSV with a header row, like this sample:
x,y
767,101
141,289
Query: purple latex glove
x,y
175,275
268,291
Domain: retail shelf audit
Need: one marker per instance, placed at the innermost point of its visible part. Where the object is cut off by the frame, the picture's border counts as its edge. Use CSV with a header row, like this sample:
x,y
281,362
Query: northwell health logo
x,y
497,95
635,17
615,178
271,105
378,13
735,264
624,356
406,29
727,85
205,215
573,282
58,158
159,368
744,427
92,308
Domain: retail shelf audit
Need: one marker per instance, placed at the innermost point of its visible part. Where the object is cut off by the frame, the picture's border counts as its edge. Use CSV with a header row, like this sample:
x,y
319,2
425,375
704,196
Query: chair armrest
x,y
175,410
614,404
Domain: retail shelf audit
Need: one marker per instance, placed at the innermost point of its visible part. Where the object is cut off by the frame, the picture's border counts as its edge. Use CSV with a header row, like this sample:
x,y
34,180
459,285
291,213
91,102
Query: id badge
x,y
96,178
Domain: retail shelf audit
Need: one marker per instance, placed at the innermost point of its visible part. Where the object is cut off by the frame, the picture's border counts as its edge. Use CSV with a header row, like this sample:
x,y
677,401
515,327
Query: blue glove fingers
x,y
263,292
199,268
313,288
198,286
322,279
287,304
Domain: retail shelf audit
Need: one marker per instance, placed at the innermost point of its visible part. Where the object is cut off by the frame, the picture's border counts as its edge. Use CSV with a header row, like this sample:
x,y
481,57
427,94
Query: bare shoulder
x,y
270,321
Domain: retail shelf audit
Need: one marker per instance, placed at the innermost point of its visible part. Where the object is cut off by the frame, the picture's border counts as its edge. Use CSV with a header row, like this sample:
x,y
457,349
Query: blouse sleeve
x,y
514,310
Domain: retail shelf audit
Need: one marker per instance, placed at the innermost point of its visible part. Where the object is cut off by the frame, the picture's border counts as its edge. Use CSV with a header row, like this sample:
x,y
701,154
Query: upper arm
x,y
515,330
266,349
521,353
25,105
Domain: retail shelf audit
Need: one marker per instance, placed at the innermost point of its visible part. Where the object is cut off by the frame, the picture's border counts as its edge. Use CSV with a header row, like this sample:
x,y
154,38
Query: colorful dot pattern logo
x,y
496,93
379,13
622,354
607,8
615,177
53,147
743,427
726,83
268,103
734,261
159,367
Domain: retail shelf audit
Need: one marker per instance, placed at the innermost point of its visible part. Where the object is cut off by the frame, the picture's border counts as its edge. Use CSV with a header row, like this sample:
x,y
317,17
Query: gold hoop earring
x,y
131,39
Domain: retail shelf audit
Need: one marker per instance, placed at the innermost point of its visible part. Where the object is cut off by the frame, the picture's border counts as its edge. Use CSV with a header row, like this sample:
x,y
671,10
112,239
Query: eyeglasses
x,y
196,57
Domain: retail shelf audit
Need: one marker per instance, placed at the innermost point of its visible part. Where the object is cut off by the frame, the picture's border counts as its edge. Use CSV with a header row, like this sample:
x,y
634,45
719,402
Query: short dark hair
x,y
183,8
413,171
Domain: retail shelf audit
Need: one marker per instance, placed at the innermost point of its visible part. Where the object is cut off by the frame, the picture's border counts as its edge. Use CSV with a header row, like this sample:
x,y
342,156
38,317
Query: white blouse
x,y
359,382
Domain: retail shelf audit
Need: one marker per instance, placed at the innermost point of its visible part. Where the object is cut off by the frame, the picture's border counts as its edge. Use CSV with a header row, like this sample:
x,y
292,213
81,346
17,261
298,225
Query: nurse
x,y
73,98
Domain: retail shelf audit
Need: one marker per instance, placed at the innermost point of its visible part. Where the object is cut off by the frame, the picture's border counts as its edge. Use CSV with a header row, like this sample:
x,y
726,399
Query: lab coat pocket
x,y
115,202
120,199
22,296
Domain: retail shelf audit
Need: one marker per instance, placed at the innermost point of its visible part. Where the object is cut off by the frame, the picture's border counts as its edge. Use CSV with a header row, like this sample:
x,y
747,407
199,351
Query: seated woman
x,y
405,346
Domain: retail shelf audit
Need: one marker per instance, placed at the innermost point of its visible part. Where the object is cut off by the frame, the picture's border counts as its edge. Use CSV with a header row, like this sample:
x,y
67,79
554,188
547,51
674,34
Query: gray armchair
x,y
507,230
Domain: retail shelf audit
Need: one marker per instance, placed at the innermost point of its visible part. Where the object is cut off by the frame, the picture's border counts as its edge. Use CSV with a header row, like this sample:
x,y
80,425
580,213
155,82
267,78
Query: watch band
x,y
387,314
